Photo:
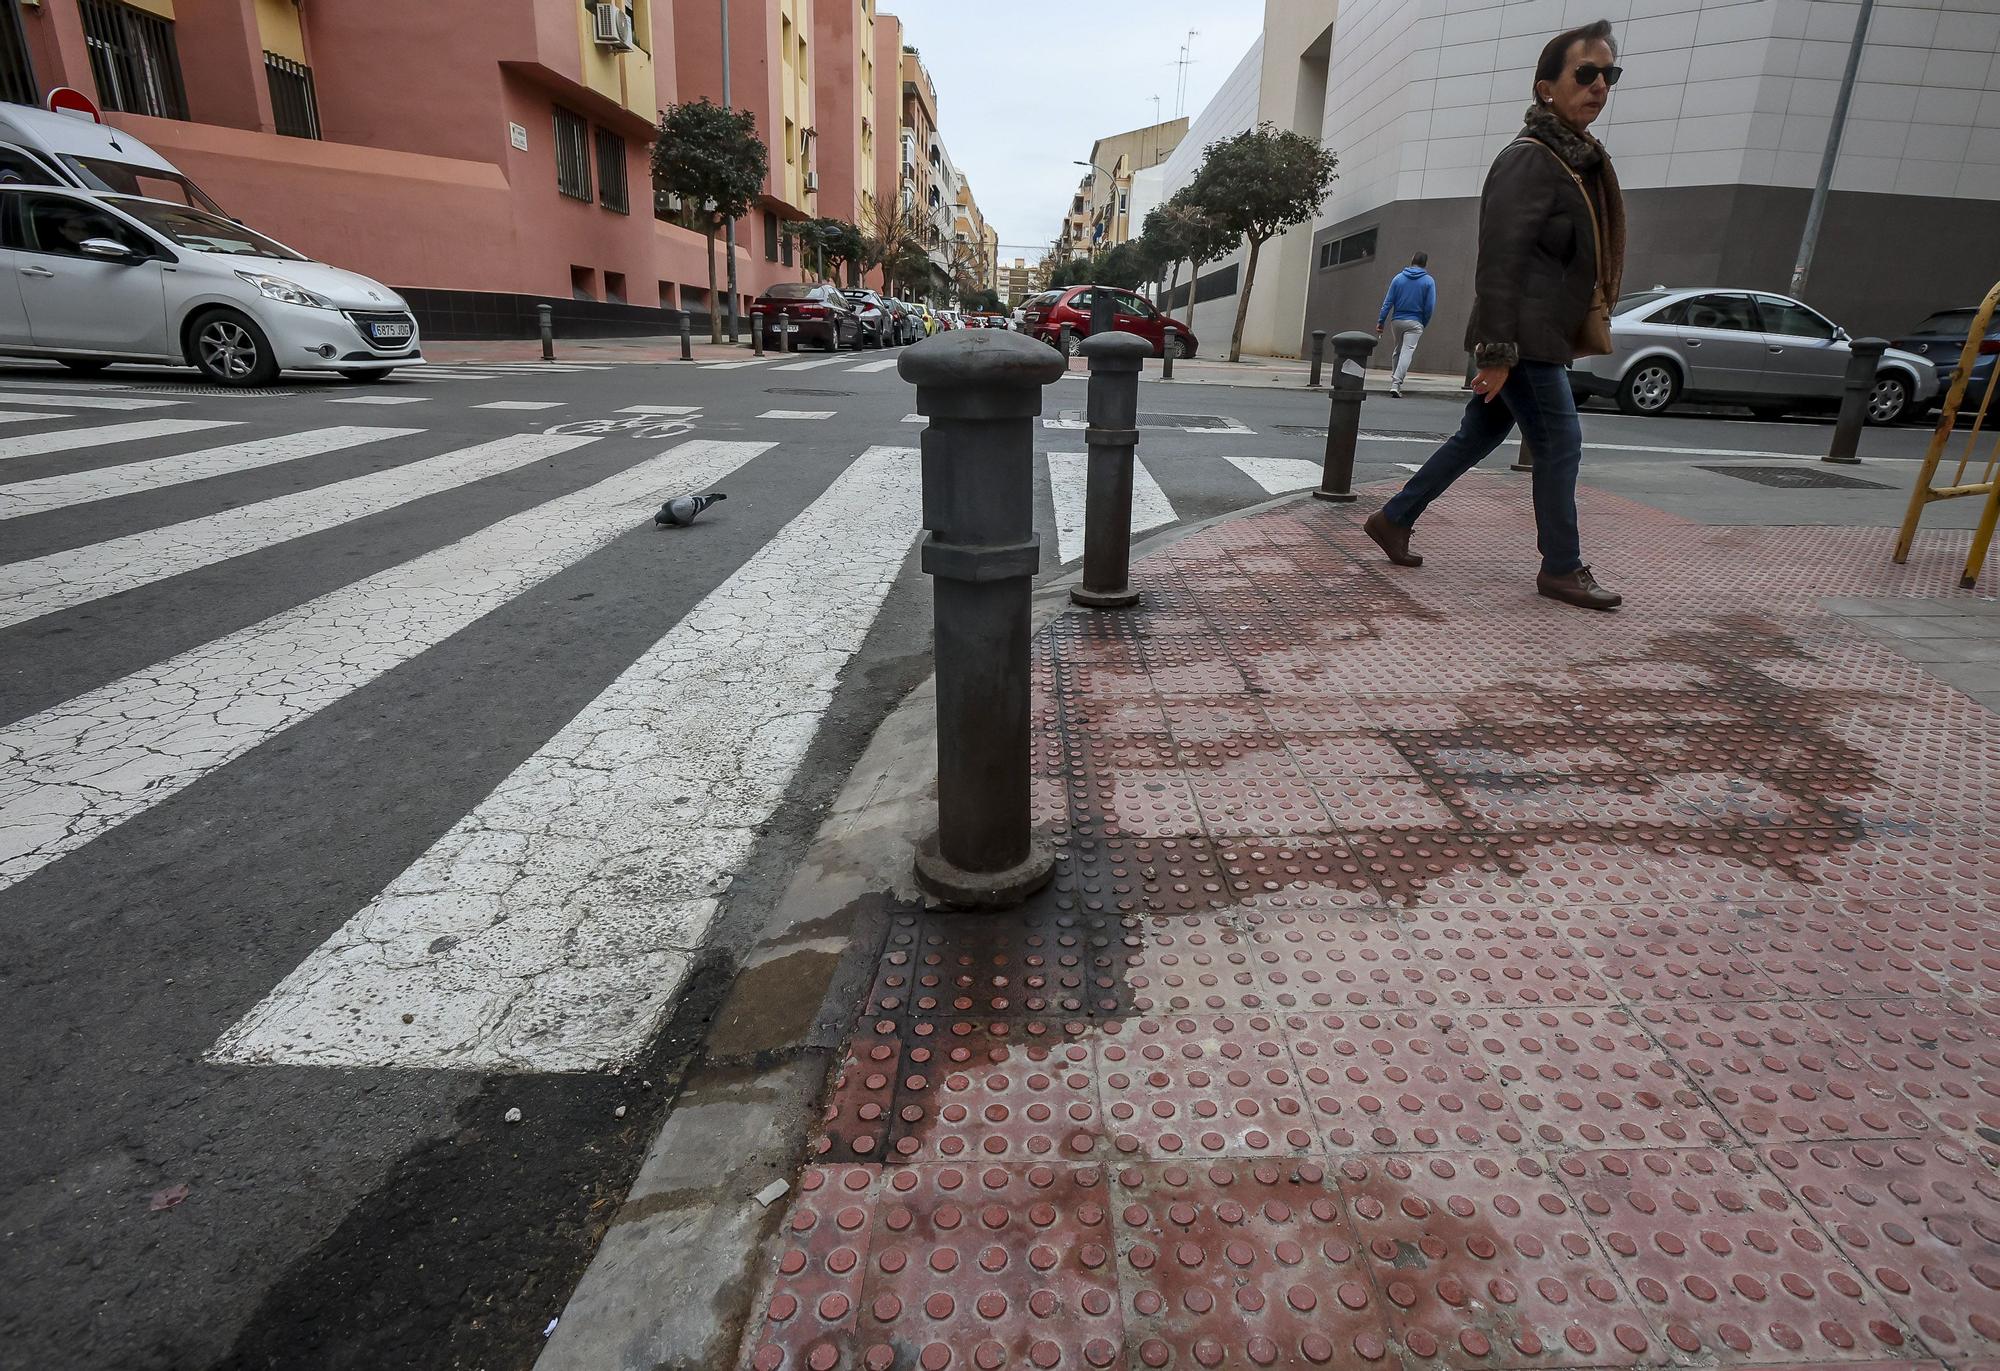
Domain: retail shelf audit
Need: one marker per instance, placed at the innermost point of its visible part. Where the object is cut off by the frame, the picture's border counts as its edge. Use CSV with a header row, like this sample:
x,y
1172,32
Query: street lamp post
x,y
1810,239
728,225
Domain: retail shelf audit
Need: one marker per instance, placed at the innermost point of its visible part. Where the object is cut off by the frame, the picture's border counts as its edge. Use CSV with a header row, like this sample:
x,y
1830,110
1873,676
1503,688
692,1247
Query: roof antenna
x,y
1186,61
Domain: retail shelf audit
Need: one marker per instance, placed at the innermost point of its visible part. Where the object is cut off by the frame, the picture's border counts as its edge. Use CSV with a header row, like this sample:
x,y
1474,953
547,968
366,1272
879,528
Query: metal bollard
x,y
1343,425
1471,370
784,330
1524,460
547,316
1103,312
1864,354
757,331
1062,342
1167,355
982,390
1112,415
687,337
1318,356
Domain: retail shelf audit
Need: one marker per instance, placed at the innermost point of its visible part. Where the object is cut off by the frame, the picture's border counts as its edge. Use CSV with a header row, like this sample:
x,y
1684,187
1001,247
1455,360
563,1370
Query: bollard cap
x,y
1873,347
981,358
1354,343
1116,347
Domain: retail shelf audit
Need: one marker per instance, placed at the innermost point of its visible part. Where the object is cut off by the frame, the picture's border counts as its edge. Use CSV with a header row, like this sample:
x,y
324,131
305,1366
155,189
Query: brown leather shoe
x,y
1393,539
1579,588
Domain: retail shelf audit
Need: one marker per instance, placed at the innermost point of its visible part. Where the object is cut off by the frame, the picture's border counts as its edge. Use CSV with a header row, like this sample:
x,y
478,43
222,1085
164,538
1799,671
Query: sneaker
x,y
1393,539
1579,588
1396,392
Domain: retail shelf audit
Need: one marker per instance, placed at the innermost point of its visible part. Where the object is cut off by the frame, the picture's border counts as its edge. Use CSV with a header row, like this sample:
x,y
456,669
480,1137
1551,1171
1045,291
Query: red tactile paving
x,y
1435,977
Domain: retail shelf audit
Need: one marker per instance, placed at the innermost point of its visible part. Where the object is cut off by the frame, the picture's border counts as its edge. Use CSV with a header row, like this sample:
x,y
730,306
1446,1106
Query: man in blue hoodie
x,y
1408,306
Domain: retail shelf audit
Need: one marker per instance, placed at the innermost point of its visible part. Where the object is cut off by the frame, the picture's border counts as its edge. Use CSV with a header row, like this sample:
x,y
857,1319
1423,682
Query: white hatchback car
x,y
90,278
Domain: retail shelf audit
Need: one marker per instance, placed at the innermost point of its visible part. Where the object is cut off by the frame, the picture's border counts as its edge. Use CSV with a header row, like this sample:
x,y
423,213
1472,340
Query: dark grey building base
x,y
480,314
964,889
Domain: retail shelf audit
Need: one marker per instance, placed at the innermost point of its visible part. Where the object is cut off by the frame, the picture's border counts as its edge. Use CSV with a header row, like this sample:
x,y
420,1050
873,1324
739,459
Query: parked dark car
x,y
902,324
818,313
1940,339
875,318
1049,311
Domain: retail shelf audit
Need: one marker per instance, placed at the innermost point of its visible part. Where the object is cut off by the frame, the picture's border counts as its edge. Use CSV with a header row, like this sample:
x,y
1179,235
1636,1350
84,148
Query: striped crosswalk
x,y
550,927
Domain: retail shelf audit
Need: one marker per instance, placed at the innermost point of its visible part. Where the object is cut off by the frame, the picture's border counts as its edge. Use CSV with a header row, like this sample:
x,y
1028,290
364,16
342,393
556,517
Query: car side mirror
x,y
108,248
1841,335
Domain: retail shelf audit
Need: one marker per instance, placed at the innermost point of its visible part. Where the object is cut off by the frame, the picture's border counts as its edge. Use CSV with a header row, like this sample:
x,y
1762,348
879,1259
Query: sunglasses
x,y
1587,74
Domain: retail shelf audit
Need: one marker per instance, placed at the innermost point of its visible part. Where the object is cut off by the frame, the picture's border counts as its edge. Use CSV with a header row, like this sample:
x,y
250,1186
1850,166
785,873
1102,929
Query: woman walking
x,y
1551,255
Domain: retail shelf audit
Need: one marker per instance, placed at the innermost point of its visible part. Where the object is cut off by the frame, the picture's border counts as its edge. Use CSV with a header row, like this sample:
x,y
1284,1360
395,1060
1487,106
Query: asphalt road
x,y
370,766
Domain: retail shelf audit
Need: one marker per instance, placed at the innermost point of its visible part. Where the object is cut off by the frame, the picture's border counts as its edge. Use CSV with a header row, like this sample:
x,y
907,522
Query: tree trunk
x,y
1194,284
1174,284
714,312
1243,301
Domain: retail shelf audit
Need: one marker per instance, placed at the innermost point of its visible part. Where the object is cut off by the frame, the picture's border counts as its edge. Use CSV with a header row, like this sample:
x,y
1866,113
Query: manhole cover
x,y
1185,421
1303,430
1798,478
793,390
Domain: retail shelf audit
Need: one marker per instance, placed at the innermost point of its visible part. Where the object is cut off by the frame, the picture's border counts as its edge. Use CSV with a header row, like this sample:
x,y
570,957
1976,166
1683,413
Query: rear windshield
x,y
1628,303
122,178
204,232
793,290
1957,323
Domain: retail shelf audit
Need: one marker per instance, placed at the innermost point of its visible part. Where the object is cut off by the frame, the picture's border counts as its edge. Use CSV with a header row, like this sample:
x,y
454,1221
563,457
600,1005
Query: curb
x,y
671,1286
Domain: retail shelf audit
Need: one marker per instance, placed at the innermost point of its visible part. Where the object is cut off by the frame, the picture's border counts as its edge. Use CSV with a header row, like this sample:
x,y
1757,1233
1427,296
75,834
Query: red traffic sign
x,y
69,100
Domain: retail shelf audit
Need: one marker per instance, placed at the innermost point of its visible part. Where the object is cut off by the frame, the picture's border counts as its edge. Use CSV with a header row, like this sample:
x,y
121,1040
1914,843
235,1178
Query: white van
x,y
40,148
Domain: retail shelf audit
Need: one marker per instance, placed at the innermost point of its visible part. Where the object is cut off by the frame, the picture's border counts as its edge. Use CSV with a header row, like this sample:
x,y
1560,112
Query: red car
x,y
814,312
1048,312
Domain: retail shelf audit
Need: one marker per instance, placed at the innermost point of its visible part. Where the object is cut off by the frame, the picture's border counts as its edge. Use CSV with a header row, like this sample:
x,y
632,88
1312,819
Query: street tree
x,y
711,157
1189,230
1074,272
1255,186
827,244
888,233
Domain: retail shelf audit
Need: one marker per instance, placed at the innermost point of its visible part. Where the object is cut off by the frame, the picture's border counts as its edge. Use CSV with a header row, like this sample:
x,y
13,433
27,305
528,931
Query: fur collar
x,y
1580,150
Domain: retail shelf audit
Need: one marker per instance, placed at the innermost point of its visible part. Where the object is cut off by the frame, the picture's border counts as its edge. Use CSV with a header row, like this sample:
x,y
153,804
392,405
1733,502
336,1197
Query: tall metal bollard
x,y
1859,385
687,337
1112,415
1343,424
757,331
546,314
1167,354
1103,312
1524,460
1318,356
982,389
784,330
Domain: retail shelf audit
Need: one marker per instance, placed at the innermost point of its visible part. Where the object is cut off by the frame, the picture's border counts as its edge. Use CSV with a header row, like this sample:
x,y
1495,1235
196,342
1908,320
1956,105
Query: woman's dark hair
x,y
1550,68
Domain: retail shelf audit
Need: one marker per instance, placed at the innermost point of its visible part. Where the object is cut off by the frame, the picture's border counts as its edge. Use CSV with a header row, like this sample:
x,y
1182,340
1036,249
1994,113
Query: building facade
x,y
1107,187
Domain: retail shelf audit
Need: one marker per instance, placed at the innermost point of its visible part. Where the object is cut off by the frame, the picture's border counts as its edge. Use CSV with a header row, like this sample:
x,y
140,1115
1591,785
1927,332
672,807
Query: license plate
x,y
386,332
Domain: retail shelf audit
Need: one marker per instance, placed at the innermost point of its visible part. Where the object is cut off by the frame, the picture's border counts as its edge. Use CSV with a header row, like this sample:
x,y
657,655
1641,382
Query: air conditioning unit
x,y
812,182
612,27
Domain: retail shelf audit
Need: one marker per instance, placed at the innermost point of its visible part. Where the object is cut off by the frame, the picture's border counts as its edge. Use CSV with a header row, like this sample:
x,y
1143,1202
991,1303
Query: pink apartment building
x,y
484,156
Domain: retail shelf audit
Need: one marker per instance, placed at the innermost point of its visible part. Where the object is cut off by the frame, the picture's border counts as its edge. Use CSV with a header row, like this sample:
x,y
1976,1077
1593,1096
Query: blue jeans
x,y
1537,397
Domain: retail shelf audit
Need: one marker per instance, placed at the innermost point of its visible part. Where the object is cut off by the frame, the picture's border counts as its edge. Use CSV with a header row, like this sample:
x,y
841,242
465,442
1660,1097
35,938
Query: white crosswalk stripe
x,y
1068,479
883,364
380,400
102,483
62,580
1278,475
827,361
90,401
551,928
72,772
104,435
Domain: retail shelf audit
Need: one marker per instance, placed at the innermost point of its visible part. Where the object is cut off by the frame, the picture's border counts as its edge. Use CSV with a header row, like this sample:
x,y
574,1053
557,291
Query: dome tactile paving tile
x,y
1435,977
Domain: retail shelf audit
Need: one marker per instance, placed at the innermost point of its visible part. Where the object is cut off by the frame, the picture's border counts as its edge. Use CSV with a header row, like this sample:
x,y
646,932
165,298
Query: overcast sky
x,y
1018,99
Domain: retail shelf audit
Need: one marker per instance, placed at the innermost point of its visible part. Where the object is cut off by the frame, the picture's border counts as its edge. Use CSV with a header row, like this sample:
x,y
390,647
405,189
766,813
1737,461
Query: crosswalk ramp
x,y
551,925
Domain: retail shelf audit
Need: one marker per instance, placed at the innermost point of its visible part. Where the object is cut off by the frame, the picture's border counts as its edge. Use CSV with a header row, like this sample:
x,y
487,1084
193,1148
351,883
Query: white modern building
x,y
1717,131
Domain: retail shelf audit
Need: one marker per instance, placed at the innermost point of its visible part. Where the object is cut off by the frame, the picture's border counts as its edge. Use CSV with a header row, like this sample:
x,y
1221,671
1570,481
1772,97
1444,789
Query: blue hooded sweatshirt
x,y
1412,295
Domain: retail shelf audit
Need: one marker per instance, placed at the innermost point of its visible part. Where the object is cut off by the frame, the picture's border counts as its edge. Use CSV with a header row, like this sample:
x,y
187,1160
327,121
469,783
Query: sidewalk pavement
x,y
1435,975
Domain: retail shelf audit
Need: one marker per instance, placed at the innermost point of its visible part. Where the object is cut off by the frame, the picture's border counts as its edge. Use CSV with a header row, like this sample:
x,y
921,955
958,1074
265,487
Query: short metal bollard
x,y
1112,432
982,390
1864,355
1318,356
687,337
784,330
1062,342
757,331
546,314
1343,424
1167,354
1524,460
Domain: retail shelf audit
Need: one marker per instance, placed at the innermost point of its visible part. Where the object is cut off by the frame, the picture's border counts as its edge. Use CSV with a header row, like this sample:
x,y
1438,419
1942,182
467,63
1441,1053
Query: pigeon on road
x,y
680,511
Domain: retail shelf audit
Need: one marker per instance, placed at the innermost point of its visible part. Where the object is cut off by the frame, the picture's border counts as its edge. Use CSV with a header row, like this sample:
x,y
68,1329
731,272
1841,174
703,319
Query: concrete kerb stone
x,y
672,1284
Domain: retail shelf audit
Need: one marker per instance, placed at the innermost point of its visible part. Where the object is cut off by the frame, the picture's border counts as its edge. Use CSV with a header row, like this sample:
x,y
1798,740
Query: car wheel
x,y
84,366
1181,350
1074,348
1889,402
1649,388
368,375
230,348
1768,412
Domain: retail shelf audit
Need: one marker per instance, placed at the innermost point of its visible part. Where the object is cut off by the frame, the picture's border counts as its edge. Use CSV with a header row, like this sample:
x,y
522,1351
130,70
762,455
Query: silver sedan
x,y
1740,347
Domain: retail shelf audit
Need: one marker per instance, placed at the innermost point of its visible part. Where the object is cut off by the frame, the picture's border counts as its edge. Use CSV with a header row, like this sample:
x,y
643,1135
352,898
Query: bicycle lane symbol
x,y
642,426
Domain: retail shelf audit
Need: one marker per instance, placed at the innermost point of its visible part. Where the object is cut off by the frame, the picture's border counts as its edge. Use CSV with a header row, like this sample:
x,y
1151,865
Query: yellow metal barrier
x,y
1987,485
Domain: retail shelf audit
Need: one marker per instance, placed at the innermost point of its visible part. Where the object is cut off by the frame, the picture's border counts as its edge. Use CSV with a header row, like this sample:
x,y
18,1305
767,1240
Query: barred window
x,y
294,107
17,72
572,154
134,60
611,172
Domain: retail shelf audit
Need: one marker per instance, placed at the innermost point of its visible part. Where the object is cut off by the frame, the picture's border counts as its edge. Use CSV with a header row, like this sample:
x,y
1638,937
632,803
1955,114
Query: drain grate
x,y
209,388
1193,423
1303,430
794,390
1798,478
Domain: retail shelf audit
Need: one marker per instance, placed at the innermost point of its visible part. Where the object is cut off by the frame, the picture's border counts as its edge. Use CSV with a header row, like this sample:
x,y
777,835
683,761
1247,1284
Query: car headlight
x,y
285,292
